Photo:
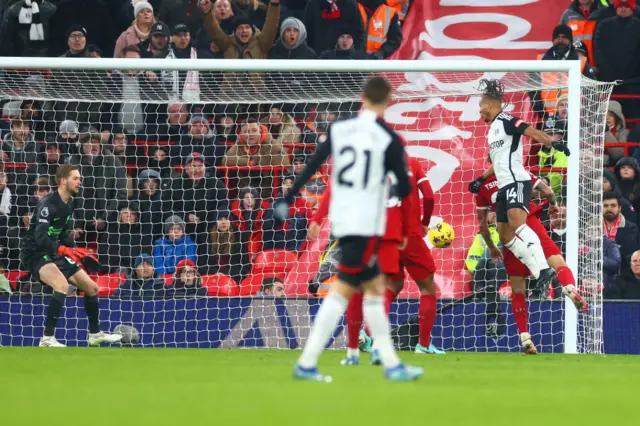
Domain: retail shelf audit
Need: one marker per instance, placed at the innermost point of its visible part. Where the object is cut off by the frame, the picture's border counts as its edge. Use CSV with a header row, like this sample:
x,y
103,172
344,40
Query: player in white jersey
x,y
514,181
364,149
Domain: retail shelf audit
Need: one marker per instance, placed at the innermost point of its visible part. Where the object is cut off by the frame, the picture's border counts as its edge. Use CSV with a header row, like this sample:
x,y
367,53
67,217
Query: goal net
x,y
181,160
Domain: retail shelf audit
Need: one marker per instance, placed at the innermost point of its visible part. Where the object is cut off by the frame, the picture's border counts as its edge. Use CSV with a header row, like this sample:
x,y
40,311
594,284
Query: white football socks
x,y
520,250
330,312
530,238
376,318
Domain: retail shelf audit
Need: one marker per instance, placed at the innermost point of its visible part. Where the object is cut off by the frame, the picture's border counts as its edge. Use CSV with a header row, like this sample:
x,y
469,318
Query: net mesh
x,y
207,153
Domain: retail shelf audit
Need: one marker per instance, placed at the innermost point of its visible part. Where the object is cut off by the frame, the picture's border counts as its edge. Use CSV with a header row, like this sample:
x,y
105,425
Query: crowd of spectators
x,y
176,188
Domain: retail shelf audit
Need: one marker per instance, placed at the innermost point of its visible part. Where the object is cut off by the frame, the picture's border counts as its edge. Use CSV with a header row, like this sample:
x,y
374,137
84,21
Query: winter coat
x,y
628,241
151,206
574,12
128,38
302,51
136,287
259,44
629,189
42,168
122,244
289,131
179,289
267,153
210,147
174,12
627,209
203,198
287,235
15,36
93,15
249,226
167,253
27,154
626,287
611,260
616,44
337,53
147,52
104,186
621,133
324,26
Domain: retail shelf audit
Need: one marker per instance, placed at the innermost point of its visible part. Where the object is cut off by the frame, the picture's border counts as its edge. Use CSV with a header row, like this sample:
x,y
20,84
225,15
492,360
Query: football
x,y
441,235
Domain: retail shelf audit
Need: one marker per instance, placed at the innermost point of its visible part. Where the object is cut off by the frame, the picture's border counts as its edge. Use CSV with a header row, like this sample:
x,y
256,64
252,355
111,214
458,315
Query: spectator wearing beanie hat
x,y
173,247
187,282
143,281
616,43
93,15
77,42
292,43
544,102
245,42
157,45
345,47
140,29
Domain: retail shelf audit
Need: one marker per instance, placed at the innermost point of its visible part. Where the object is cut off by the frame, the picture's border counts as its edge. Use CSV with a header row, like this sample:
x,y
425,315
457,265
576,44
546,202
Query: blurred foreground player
x,y
364,150
49,254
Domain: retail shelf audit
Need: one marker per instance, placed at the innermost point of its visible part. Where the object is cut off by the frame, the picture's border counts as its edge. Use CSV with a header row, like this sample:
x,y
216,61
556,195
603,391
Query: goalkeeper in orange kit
x,y
50,255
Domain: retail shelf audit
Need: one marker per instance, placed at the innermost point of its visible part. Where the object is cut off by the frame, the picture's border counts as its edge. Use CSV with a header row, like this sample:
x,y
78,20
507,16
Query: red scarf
x,y
613,231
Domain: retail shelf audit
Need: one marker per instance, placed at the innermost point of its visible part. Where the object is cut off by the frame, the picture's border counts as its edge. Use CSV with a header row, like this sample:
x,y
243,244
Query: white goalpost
x,y
210,140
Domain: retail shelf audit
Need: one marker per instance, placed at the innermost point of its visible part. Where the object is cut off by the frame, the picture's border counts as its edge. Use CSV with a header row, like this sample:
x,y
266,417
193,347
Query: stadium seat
x,y
14,276
274,261
251,285
107,284
220,285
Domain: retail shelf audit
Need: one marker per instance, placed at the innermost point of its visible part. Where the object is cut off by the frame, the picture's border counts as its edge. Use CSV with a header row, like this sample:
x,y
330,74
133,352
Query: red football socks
x,y
354,320
389,297
565,276
519,308
426,317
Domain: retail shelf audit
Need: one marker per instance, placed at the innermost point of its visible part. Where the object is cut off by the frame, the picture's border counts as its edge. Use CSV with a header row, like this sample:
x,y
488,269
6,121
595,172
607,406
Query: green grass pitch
x,y
153,387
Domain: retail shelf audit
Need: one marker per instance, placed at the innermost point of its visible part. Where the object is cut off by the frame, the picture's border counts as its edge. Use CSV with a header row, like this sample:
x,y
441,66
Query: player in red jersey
x,y
416,257
485,201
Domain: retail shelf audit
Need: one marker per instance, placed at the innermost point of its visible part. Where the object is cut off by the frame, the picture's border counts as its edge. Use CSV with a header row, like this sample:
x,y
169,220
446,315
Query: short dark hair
x,y
64,171
252,119
610,195
377,90
268,283
18,122
131,49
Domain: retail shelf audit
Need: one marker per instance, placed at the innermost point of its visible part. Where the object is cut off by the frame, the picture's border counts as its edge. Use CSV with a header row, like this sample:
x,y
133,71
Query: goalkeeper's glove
x,y
281,209
474,187
561,147
74,253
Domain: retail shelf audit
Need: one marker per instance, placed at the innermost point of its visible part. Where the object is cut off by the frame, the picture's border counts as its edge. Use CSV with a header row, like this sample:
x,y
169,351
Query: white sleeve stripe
x,y
535,185
422,180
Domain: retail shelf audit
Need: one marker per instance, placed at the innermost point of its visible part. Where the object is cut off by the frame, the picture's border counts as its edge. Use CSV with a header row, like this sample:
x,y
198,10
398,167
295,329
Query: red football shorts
x,y
513,266
416,258
389,257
